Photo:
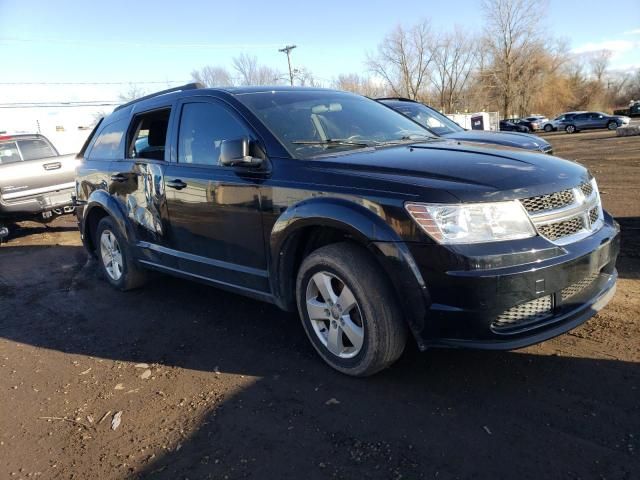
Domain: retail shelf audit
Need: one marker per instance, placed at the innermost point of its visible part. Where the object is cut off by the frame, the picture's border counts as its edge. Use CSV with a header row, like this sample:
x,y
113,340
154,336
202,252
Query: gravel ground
x,y
213,385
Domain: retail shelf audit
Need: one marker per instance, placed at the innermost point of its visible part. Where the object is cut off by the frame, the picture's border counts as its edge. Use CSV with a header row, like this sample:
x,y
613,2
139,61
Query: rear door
x,y
136,181
214,210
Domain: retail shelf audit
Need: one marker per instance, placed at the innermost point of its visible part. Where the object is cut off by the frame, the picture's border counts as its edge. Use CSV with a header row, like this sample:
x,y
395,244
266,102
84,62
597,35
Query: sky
x,y
43,42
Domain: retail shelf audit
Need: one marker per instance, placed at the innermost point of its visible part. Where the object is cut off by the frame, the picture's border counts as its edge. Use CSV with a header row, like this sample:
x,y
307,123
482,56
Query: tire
x,y
548,128
570,129
612,125
374,321
111,245
526,130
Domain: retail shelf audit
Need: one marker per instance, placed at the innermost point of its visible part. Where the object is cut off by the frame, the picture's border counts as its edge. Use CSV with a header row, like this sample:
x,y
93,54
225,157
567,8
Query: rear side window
x,y
35,148
148,137
109,143
203,127
9,153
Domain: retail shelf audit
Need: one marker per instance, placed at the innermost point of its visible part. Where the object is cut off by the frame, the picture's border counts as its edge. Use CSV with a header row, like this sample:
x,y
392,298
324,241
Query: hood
x,y
510,139
463,171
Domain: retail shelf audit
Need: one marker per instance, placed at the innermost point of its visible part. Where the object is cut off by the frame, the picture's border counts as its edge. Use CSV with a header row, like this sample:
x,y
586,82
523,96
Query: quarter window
x,y
109,144
203,128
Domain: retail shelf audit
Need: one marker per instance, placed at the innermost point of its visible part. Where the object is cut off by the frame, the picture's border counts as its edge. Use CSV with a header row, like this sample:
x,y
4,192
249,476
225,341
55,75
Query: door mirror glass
x,y
238,153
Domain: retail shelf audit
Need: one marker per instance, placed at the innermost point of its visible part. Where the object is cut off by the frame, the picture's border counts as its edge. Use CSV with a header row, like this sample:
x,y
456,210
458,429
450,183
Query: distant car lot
x,y
234,390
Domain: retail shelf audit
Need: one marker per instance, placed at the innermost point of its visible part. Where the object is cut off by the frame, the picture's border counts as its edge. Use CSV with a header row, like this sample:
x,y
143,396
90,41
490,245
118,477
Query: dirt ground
x,y
213,385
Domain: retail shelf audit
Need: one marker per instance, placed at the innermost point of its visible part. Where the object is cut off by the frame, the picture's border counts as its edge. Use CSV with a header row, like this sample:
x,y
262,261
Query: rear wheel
x,y
570,129
548,128
115,258
349,311
612,125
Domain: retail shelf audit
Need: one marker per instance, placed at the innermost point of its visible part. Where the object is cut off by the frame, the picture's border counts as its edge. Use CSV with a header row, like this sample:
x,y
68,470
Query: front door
x,y
214,210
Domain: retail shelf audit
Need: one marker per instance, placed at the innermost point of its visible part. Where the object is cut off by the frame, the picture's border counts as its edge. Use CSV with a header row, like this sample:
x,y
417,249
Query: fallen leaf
x,y
146,374
86,371
332,401
115,421
142,365
119,386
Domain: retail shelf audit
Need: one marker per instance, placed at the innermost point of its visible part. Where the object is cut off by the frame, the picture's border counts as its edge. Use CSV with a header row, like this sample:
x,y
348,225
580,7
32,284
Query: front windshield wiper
x,y
411,137
331,142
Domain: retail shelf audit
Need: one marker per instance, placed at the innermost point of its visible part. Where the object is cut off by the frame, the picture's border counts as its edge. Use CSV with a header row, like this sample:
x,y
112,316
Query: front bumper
x,y
466,305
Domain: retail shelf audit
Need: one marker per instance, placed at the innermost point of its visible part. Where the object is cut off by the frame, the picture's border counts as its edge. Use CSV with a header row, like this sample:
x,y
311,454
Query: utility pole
x,y
287,50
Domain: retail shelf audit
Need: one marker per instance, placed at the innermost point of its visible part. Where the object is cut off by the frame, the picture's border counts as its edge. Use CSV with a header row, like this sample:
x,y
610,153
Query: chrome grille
x,y
554,231
567,215
586,188
525,313
577,287
548,202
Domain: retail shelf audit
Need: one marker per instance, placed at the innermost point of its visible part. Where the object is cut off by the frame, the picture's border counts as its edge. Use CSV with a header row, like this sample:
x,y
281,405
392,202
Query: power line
x,y
94,83
216,46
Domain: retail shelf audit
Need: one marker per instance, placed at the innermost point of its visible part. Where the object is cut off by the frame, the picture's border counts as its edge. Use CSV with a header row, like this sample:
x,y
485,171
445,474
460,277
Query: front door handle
x,y
119,177
177,184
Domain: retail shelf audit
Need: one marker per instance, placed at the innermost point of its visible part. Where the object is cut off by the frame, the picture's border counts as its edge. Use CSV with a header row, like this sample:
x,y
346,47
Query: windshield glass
x,y
432,119
313,122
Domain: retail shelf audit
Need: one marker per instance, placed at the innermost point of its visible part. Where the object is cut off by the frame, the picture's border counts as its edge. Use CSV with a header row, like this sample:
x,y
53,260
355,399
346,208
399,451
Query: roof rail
x,y
188,86
402,99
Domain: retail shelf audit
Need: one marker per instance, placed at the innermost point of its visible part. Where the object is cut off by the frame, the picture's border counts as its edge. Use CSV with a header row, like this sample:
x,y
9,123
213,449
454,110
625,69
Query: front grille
x,y
577,287
566,215
586,188
548,202
525,313
554,231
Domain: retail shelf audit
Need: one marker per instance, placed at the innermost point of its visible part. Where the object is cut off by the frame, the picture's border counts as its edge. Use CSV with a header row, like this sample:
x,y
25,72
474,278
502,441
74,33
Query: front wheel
x,y
612,125
349,311
115,258
548,128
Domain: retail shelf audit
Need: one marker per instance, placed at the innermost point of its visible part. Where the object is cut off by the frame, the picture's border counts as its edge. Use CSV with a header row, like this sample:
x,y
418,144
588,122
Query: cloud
x,y
616,46
635,31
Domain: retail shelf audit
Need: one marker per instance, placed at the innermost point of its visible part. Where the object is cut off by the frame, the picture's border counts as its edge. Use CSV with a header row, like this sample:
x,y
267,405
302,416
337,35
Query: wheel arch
x,y
314,223
99,205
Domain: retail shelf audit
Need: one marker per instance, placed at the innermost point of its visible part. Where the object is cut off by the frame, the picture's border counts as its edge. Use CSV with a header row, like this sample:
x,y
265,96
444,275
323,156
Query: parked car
x,y
529,126
363,221
511,126
36,183
552,125
633,110
539,120
443,126
593,120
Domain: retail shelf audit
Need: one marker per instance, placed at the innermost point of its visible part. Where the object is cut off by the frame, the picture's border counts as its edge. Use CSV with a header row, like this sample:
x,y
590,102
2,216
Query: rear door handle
x,y
119,177
52,166
177,184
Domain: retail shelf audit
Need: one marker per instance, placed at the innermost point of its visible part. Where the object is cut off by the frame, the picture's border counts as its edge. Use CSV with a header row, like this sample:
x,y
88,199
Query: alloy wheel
x,y
335,315
111,255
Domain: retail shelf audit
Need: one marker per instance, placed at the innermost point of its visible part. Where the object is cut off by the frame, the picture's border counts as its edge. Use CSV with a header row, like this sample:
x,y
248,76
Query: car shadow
x,y
442,414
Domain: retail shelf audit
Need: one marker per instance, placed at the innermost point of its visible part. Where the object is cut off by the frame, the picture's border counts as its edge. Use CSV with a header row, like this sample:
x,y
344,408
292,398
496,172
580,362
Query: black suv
x,y
354,215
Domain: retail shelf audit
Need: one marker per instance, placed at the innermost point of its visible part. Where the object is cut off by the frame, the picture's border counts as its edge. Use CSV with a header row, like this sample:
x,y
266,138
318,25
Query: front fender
x,y
367,226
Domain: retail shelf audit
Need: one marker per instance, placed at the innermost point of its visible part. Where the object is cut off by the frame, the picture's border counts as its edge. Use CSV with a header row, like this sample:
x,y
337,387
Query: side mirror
x,y
237,153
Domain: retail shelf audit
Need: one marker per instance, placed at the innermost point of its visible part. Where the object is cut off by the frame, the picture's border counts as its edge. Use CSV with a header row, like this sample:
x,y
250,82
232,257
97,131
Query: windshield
x,y
428,117
312,122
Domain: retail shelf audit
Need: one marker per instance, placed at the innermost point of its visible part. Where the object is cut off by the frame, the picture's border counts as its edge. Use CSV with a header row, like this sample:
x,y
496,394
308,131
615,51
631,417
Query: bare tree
x,y
513,35
305,77
252,73
454,62
212,76
354,83
133,91
599,62
404,60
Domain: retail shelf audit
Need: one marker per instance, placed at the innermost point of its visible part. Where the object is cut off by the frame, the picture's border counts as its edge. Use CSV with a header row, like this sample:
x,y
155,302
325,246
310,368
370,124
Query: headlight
x,y
472,223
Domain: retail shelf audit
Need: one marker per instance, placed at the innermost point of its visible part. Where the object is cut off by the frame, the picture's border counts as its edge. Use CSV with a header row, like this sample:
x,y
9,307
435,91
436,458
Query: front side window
x,y
35,148
203,128
109,143
312,123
